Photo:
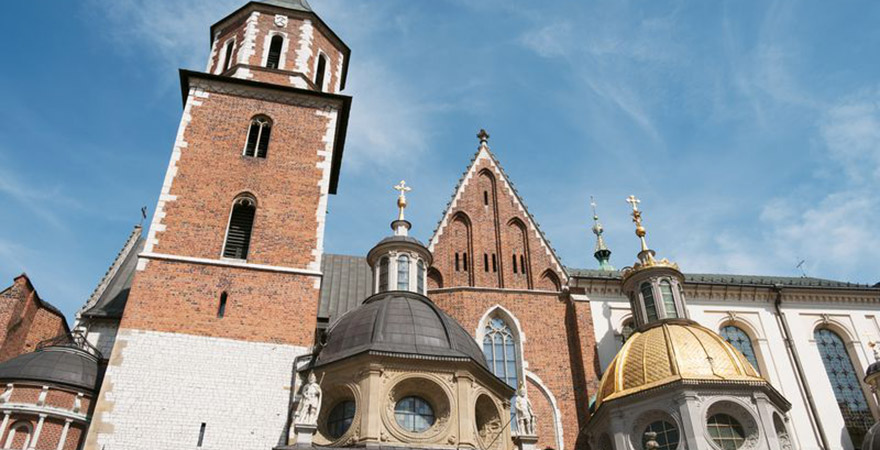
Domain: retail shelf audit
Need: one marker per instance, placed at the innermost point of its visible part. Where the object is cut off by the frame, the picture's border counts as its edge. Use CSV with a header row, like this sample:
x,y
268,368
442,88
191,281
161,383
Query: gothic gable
x,y
487,238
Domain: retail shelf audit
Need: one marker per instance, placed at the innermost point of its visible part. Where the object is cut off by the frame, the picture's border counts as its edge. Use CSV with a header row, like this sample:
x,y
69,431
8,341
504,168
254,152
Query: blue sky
x,y
750,130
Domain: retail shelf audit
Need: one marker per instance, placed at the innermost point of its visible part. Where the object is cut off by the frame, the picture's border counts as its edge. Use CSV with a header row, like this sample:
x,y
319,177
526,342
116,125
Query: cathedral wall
x,y
546,345
211,171
262,306
753,311
160,387
24,323
102,334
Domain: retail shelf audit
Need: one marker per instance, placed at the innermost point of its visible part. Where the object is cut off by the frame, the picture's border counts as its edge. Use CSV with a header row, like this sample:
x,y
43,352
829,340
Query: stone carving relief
x,y
280,20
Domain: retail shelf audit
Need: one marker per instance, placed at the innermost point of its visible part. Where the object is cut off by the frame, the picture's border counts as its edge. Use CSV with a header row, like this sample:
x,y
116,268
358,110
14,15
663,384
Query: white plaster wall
x,y
860,321
102,335
168,384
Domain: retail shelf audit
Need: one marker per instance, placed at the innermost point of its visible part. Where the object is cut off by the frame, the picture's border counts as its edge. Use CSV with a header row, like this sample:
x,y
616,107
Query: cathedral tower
x,y
226,288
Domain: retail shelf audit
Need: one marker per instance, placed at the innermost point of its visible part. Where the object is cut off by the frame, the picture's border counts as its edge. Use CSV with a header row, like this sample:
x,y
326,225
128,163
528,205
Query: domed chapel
x,y
225,325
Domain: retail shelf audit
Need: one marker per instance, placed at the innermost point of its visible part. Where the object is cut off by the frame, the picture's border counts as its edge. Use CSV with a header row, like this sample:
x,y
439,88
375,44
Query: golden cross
x,y
401,199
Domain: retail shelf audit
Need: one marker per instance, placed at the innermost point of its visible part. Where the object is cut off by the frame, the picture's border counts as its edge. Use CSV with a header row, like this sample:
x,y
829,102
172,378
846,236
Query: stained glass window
x,y
726,432
847,389
740,340
668,300
667,435
403,273
650,307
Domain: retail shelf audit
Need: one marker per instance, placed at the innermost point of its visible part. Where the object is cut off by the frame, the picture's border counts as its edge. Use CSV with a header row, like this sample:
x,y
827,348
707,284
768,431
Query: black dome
x,y
872,438
873,368
61,365
402,323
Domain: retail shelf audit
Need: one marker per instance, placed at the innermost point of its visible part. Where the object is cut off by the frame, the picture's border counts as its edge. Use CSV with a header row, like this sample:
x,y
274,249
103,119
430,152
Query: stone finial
x,y
483,136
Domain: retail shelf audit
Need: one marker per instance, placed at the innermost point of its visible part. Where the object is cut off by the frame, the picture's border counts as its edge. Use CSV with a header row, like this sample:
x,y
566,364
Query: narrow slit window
x,y
241,223
201,434
486,198
456,262
274,58
221,309
227,62
486,262
465,262
420,274
258,137
494,263
320,71
522,264
514,263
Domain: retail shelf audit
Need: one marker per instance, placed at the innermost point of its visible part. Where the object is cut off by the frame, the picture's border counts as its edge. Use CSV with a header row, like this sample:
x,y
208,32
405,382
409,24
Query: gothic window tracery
x,y
499,347
259,131
738,338
845,383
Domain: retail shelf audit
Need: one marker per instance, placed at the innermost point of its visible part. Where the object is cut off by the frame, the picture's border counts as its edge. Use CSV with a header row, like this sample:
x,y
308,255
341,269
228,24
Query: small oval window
x,y
414,414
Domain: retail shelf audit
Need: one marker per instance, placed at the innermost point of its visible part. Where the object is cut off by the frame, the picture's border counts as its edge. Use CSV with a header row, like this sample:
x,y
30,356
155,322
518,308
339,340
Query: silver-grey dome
x,y
62,365
399,323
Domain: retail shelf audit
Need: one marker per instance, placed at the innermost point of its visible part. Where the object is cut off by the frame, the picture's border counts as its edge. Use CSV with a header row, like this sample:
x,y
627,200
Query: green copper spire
x,y
602,254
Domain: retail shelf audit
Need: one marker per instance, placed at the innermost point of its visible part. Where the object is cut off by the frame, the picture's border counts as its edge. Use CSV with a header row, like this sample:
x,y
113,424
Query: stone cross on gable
x,y
483,136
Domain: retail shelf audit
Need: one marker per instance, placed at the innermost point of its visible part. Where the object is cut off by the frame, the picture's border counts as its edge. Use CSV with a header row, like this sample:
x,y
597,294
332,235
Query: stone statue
x,y
525,417
309,402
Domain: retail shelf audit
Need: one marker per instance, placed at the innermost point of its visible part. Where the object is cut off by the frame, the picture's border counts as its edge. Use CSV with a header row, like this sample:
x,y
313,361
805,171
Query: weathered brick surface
x,y
24,321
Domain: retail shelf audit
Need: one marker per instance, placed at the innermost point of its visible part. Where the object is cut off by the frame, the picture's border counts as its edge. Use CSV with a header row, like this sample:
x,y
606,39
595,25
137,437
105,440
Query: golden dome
x,y
673,351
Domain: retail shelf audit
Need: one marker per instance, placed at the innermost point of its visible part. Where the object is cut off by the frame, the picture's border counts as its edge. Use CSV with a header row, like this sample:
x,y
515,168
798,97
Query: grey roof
x,y
711,278
62,365
409,239
872,369
110,296
401,323
346,283
872,438
299,5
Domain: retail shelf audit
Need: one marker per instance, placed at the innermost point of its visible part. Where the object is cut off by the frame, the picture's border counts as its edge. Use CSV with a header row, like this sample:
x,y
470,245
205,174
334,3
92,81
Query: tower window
x,y
486,262
486,198
403,273
274,57
420,276
201,434
383,274
319,72
668,300
241,223
514,263
648,298
494,263
456,262
258,137
227,61
465,262
221,309
522,264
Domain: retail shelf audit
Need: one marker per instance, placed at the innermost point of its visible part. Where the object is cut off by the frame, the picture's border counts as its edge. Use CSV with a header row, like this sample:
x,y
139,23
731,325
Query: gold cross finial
x,y
637,219
401,199
483,136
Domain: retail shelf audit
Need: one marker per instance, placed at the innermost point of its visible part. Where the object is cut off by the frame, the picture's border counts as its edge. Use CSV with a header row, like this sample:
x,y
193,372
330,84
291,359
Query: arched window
x,y
383,274
19,435
741,341
420,276
845,383
274,58
221,309
782,433
340,418
668,300
258,137
499,346
227,60
648,297
403,273
320,71
241,223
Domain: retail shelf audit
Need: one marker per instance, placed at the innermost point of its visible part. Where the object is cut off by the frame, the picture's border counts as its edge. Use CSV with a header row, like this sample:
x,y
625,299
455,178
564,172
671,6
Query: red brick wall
x,y
24,322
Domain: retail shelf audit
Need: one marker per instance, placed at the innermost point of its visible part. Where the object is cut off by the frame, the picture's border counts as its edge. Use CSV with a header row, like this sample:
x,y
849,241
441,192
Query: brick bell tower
x,y
226,291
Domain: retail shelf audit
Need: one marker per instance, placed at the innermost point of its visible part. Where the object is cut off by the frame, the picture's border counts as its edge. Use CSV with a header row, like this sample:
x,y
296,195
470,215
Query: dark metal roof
x,y
111,295
872,369
709,278
400,323
409,239
346,283
299,5
62,365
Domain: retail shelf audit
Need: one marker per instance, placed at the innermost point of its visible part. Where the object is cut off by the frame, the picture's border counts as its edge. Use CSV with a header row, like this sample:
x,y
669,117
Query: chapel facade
x,y
226,326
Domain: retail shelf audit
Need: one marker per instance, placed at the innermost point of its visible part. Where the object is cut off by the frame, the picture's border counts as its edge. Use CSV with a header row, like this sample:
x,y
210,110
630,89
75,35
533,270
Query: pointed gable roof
x,y
110,296
506,185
